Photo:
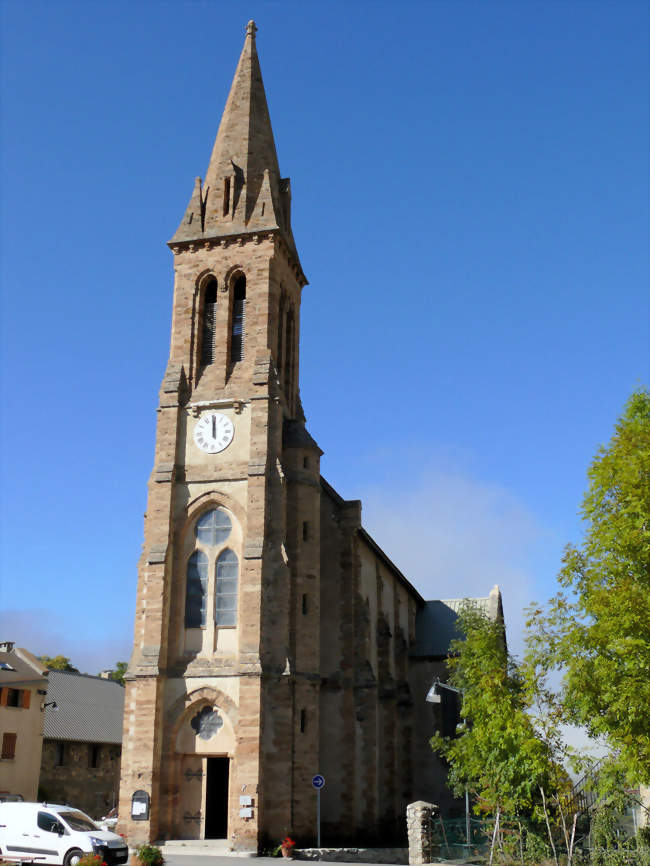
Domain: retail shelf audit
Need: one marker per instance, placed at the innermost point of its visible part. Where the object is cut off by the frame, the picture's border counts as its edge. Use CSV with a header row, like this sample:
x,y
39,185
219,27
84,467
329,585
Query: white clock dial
x,y
213,432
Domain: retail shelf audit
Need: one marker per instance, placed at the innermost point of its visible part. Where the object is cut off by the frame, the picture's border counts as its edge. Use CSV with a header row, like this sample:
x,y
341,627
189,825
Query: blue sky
x,y
470,203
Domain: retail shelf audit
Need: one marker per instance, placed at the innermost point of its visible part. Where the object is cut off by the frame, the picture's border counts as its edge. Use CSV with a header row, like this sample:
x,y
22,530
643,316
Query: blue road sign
x,y
318,782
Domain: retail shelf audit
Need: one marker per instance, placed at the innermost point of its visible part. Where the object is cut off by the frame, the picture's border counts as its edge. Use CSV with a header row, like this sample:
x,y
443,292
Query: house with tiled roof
x,y
82,742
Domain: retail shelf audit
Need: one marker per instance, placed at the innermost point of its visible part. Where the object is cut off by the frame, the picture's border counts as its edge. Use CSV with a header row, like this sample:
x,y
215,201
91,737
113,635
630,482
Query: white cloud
x,y
454,535
39,631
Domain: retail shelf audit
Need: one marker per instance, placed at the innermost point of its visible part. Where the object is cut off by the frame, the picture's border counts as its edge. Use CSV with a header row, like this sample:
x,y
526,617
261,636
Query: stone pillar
x,y
419,822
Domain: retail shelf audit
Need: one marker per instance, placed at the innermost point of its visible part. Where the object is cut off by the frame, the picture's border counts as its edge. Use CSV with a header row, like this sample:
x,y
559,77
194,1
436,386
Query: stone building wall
x,y
368,746
68,775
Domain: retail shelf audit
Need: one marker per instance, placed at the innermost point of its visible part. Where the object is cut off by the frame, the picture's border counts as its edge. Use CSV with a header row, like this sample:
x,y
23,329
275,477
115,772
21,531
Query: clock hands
x,y
214,427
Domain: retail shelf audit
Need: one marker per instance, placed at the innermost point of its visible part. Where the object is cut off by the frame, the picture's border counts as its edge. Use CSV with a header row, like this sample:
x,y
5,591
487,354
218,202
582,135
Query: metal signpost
x,y
318,782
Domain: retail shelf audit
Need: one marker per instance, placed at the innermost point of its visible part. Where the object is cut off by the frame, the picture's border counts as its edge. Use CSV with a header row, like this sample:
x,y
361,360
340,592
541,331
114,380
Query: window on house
x,y
238,326
13,698
59,754
93,755
209,317
196,590
226,588
8,746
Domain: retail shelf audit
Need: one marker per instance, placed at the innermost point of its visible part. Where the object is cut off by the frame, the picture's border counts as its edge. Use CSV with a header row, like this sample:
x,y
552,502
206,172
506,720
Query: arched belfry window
x,y
238,324
208,325
212,572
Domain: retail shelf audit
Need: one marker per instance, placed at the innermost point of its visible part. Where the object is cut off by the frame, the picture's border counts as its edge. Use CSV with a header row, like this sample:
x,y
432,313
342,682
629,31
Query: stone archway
x,y
201,755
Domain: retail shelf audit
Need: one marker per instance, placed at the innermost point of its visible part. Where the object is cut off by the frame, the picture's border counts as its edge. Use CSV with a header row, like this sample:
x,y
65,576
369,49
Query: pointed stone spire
x,y
243,190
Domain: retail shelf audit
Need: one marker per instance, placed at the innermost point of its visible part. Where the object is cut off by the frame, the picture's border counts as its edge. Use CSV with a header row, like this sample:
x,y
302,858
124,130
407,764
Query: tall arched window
x,y
197,590
212,569
288,355
280,355
225,607
207,330
238,326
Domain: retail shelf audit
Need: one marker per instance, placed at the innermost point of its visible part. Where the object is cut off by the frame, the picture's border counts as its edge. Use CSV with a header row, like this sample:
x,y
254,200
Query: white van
x,y
55,834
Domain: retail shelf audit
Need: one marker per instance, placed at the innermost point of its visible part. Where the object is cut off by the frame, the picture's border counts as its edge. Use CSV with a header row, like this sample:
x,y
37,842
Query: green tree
x,y
598,626
497,754
58,663
118,672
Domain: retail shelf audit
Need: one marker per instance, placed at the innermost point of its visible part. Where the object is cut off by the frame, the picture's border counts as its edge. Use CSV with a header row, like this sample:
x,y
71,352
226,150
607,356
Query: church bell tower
x,y
221,713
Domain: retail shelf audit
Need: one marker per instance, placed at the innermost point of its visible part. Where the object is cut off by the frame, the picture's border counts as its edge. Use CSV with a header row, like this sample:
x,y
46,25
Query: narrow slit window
x,y
305,530
303,721
209,316
59,754
93,756
226,588
196,590
304,603
226,196
238,328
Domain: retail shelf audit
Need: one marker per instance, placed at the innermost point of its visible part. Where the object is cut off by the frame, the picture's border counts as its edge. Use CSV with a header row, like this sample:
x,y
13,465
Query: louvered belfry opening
x,y
238,328
209,315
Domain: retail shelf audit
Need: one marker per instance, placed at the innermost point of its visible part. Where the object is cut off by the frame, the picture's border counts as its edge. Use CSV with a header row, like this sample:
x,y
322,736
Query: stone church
x,y
274,639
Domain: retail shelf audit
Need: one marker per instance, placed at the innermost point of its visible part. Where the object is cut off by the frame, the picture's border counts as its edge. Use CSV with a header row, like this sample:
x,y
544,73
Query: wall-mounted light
x,y
52,704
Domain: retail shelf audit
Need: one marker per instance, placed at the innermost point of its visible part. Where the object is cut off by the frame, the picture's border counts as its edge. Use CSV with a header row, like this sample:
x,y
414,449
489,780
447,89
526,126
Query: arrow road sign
x,y
318,782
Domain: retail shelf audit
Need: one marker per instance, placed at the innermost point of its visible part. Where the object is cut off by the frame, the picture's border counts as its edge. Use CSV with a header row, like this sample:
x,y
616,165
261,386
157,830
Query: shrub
x,y
149,855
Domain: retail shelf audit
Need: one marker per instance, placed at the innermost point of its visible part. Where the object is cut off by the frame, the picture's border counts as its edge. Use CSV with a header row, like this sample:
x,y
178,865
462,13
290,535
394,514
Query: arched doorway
x,y
204,749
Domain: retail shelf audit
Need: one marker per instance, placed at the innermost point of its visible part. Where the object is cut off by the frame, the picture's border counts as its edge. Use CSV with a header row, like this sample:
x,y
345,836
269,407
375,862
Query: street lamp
x,y
434,696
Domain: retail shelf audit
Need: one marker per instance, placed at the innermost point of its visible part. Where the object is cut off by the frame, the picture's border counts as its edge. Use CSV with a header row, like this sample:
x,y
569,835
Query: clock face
x,y
213,432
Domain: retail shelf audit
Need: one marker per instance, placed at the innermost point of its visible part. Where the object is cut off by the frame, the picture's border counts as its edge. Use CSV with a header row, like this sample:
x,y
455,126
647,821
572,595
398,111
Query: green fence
x,y
520,841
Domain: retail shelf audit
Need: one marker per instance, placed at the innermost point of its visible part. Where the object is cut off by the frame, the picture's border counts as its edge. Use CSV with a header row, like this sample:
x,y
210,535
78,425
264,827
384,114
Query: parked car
x,y
108,822
56,834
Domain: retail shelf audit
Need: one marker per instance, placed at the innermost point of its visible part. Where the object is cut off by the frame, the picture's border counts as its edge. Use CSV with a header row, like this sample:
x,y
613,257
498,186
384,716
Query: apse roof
x,y
436,622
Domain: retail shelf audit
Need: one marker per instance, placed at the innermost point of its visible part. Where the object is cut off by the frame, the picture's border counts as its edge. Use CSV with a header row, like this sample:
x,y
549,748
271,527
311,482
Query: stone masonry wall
x,y
94,790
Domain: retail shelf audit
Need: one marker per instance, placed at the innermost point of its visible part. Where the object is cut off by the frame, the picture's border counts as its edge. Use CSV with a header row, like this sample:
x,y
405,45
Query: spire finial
x,y
251,28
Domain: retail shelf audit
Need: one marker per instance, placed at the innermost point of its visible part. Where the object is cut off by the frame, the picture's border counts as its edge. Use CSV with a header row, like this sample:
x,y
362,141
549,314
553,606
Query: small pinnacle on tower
x,y
251,28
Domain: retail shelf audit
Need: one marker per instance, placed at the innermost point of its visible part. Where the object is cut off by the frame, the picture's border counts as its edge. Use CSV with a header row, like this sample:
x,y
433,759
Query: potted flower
x,y
286,847
147,855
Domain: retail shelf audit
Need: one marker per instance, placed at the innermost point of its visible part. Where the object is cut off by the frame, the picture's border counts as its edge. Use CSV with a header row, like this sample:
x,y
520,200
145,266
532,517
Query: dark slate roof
x,y
435,622
19,667
295,435
90,709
